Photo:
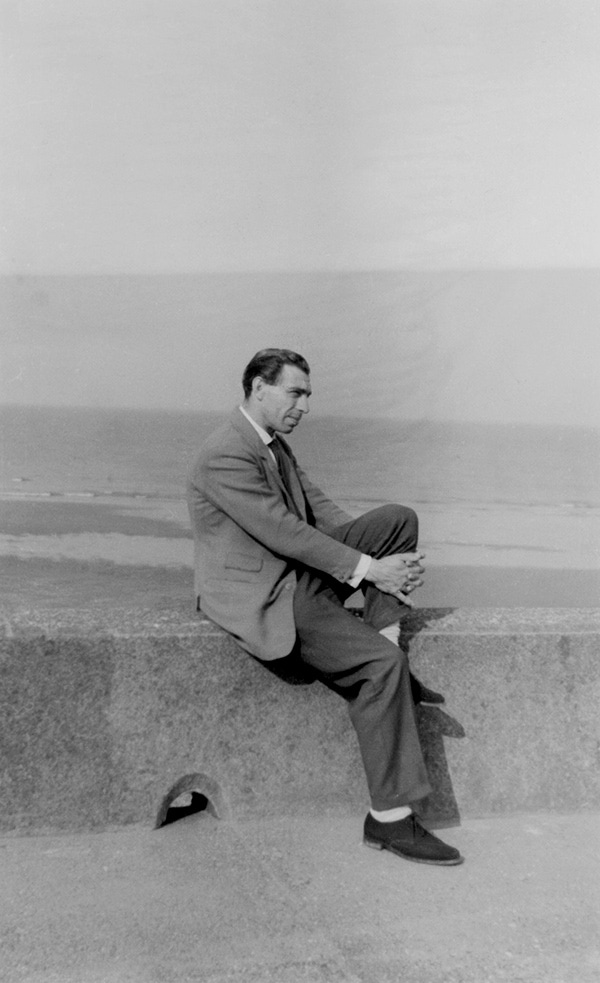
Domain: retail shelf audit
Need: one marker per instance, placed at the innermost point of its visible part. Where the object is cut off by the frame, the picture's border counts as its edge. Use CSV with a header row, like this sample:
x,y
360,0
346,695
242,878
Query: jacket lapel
x,y
294,499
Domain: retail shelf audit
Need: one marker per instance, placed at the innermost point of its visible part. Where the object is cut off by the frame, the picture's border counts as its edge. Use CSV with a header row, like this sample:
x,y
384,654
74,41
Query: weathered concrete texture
x,y
520,728
300,900
99,724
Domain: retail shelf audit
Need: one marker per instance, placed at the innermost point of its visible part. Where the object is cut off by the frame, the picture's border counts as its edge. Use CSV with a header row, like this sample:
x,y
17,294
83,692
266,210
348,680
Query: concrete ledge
x,y
103,725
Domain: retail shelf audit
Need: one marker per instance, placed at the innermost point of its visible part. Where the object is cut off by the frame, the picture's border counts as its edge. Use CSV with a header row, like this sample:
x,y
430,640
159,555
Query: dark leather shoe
x,y
421,694
407,838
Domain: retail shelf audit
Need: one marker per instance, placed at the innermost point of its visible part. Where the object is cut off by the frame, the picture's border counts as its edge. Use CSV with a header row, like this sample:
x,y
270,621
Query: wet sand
x,y
129,553
59,516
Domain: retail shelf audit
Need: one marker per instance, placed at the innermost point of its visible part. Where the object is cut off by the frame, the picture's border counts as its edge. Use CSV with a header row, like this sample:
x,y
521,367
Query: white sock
x,y
391,815
392,633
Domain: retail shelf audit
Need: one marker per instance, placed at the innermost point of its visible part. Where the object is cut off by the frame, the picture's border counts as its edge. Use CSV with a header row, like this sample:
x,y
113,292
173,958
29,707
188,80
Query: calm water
x,y
485,493
147,453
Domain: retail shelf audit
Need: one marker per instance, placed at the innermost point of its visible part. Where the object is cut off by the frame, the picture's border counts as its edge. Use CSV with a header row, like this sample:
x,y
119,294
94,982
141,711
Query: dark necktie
x,y
283,466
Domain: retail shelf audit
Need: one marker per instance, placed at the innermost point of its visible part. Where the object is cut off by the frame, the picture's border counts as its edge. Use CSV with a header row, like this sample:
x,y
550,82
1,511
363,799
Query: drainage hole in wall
x,y
191,794
187,804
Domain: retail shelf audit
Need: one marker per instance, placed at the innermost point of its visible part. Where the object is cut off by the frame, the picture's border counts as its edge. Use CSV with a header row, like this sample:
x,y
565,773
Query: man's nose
x,y
303,404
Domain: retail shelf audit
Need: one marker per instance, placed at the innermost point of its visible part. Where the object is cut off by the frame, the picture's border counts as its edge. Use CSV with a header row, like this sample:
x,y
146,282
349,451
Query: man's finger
x,y
412,557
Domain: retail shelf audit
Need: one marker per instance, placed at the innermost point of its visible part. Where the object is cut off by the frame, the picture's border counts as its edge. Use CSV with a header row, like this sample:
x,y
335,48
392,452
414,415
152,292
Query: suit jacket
x,y
251,537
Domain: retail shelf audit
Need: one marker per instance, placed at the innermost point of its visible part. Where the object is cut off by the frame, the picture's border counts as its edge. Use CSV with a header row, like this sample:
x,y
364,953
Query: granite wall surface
x,y
104,724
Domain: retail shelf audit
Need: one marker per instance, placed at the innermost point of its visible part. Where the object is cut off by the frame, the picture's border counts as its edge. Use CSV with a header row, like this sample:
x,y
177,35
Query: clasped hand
x,y
398,574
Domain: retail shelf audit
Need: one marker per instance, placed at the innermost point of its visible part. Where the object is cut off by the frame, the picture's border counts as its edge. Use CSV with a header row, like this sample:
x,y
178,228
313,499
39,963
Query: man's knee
x,y
381,531
402,515
402,522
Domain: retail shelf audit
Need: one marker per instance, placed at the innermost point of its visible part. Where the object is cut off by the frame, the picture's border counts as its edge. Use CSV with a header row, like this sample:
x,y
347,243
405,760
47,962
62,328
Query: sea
x,y
487,495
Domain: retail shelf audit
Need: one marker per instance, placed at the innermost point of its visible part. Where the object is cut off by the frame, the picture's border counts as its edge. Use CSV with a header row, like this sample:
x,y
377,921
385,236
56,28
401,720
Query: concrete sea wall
x,y
104,724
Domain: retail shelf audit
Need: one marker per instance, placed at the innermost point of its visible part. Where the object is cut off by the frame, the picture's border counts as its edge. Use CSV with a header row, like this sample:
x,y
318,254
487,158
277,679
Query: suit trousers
x,y
351,657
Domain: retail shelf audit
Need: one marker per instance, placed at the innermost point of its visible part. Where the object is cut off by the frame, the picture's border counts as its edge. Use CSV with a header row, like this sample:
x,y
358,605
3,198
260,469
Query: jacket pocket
x,y
243,562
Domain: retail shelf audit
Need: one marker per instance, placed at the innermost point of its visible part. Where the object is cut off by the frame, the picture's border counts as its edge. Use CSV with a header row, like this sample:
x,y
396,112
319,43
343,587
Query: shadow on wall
x,y
440,809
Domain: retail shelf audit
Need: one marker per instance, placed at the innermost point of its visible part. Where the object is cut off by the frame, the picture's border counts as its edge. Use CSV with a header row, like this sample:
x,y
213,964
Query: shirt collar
x,y
264,436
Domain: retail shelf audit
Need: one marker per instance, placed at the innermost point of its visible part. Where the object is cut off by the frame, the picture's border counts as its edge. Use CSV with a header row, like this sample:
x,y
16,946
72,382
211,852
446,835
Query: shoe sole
x,y
376,845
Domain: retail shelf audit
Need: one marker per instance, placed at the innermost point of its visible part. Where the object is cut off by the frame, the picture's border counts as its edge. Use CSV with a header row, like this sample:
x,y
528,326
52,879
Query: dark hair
x,y
268,364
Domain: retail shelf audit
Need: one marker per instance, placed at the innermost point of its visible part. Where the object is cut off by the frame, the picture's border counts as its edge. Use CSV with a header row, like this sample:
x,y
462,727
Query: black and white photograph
x,y
299,491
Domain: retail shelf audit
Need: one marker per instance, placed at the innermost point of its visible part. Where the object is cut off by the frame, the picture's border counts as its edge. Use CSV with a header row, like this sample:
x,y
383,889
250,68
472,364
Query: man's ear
x,y
258,387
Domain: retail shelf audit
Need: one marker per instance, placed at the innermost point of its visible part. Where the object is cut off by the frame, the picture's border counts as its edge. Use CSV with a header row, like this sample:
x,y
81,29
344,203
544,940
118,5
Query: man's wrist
x,y
361,570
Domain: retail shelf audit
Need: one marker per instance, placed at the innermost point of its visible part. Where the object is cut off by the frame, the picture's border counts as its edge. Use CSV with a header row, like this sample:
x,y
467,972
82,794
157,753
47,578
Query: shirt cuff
x,y
360,571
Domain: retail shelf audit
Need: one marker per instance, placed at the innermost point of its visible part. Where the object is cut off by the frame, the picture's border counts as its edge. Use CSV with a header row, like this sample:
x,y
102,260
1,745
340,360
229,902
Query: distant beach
x,y
92,504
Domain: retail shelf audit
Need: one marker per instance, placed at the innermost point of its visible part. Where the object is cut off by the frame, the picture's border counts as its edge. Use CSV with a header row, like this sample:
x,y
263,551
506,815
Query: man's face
x,y
280,407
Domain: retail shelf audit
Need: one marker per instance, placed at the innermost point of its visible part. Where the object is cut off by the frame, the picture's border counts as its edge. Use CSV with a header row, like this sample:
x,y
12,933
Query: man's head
x,y
276,389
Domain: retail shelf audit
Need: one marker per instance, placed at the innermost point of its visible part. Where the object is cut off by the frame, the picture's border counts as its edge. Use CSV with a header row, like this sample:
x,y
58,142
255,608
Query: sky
x,y
151,145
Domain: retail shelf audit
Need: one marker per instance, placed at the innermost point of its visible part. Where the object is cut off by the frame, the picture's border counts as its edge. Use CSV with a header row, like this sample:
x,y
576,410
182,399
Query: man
x,y
275,561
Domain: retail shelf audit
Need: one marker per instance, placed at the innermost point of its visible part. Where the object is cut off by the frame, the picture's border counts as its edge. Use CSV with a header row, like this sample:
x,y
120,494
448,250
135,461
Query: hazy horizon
x,y
223,414
484,346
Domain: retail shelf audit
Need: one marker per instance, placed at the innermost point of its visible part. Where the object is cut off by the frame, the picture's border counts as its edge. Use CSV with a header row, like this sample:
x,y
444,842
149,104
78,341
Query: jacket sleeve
x,y
235,483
